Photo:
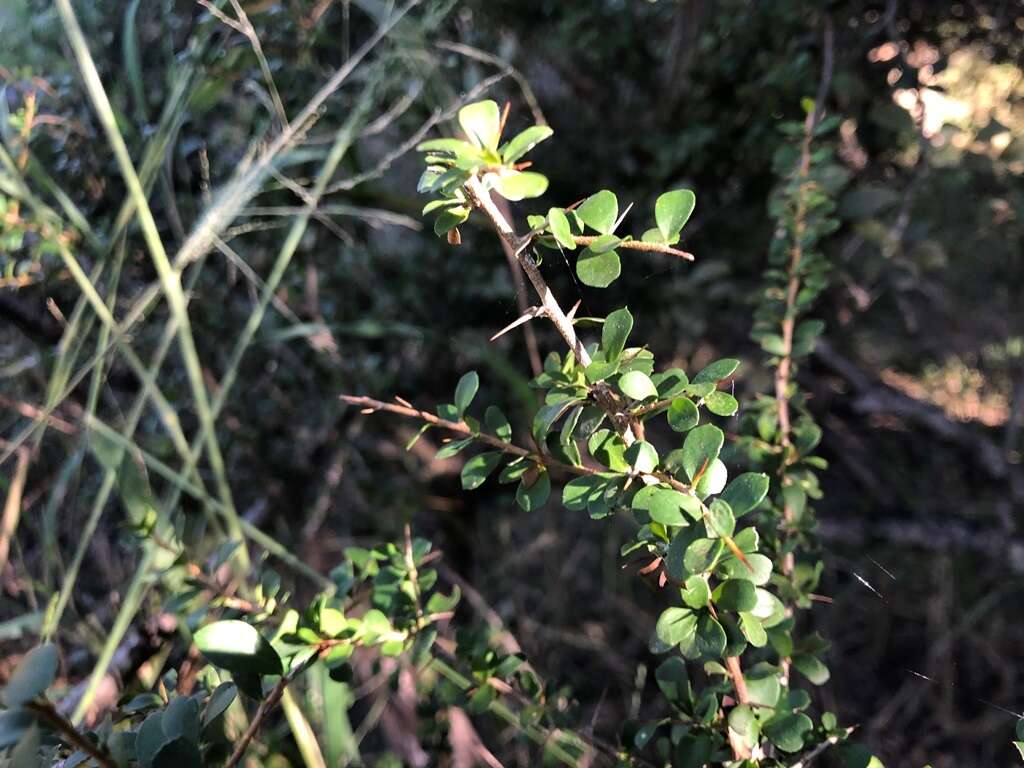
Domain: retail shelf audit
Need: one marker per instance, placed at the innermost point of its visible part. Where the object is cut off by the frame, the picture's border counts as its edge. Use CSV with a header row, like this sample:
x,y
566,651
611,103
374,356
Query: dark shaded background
x,y
919,385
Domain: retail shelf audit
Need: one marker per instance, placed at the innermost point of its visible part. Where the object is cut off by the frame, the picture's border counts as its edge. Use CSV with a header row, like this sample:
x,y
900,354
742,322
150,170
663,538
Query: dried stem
x,y
638,245
45,712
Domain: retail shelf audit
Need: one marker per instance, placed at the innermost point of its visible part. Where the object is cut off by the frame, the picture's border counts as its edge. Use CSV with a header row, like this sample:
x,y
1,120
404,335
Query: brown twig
x,y
45,712
638,245
261,713
783,372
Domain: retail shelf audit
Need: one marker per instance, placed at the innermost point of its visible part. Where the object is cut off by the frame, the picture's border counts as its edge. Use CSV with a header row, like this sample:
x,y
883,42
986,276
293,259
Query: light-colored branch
x,y
605,398
638,245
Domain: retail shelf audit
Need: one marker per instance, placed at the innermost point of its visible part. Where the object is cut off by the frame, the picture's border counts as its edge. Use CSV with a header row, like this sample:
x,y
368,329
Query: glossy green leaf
x,y
453,448
237,645
811,667
533,497
676,625
497,423
674,681
786,730
455,146
642,456
672,210
758,572
713,480
744,723
670,383
701,447
665,505
520,185
682,414
609,449
746,492
482,123
477,469
637,385
735,595
695,592
219,701
580,491
524,141
615,332
710,636
599,211
559,225
598,270
702,555
717,371
721,403
753,630
719,521
465,391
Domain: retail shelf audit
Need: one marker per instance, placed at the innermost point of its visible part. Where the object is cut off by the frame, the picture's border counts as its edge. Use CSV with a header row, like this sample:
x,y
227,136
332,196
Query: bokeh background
x,y
918,385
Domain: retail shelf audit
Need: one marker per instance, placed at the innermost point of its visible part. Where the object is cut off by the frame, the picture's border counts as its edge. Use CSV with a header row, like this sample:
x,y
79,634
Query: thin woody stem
x,y
605,398
460,427
59,723
638,245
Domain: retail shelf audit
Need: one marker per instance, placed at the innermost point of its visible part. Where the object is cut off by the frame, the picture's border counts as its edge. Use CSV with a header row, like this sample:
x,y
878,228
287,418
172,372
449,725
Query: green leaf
x,y
32,676
735,595
763,684
181,719
546,417
236,645
609,449
482,123
717,371
673,681
713,480
786,730
536,495
637,385
721,403
710,636
744,723
559,225
497,423
520,185
524,141
149,738
676,625
476,470
753,630
450,219
176,753
671,382
683,414
615,332
598,270
720,521
219,701
599,211
465,391
702,555
580,491
665,505
672,210
453,448
455,146
696,592
811,667
701,447
759,572
745,492
642,456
